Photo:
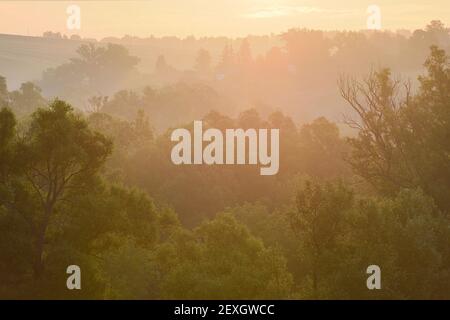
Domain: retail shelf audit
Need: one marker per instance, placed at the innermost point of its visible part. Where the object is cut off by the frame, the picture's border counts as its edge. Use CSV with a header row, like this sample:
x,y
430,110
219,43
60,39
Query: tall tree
x,y
59,157
245,58
203,62
317,223
27,99
402,138
4,99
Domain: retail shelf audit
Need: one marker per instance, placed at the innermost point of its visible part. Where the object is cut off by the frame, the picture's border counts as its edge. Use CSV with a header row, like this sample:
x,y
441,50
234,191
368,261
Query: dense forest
x,y
86,178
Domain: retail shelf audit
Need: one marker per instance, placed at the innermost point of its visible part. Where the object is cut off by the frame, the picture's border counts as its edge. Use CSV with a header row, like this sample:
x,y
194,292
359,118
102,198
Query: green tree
x,y
95,69
321,140
27,99
402,138
4,94
59,156
406,236
317,223
222,260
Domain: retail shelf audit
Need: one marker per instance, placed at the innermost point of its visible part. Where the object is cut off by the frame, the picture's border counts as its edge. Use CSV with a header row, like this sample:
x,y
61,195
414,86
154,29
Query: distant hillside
x,y
24,58
296,72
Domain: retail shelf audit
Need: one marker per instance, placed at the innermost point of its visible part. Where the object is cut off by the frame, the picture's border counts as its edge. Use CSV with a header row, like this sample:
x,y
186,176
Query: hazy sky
x,y
213,17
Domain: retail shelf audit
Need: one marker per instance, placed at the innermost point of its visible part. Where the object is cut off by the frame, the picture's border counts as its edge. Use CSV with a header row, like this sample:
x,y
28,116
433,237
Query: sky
x,y
233,18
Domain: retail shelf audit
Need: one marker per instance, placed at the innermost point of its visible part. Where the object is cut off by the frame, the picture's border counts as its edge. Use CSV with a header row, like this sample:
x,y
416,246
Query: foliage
x,y
222,260
403,138
75,189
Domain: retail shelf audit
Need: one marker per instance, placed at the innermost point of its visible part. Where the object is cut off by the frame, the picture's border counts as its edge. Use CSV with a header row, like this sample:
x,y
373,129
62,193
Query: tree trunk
x,y
38,264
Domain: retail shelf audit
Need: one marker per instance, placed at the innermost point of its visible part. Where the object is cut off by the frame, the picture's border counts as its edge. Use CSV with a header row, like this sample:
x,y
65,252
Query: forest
x,y
86,176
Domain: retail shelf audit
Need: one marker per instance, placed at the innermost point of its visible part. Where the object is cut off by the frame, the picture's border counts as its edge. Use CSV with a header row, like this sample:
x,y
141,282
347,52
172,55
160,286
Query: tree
x,y
203,62
7,148
108,67
4,94
222,260
142,128
402,138
59,157
162,68
52,35
118,229
111,58
438,33
317,223
49,189
407,236
244,55
321,140
429,118
97,103
27,99
306,48
227,60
